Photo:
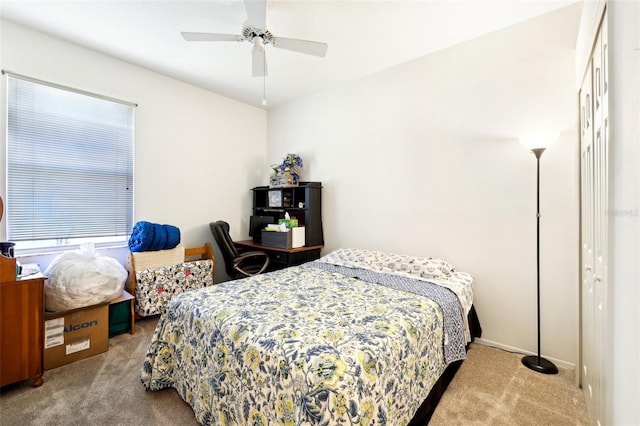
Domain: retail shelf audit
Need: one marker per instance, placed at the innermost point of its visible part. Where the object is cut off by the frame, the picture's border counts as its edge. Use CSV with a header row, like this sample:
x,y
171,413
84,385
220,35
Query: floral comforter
x,y
303,345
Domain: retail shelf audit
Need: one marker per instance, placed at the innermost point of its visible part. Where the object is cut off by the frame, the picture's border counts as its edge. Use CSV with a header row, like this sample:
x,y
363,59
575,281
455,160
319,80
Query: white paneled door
x,y
594,158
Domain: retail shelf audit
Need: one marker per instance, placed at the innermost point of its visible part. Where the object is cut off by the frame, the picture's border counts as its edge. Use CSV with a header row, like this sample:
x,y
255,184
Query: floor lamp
x,y
537,144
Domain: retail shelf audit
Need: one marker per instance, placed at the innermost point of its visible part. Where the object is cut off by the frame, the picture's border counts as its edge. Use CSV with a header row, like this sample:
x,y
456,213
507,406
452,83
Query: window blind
x,y
69,164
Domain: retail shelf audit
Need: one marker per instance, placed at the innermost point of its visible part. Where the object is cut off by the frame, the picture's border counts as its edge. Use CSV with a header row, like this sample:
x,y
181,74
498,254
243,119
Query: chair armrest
x,y
246,256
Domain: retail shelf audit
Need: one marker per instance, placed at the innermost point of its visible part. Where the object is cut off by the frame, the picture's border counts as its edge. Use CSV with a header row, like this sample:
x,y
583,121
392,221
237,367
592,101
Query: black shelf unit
x,y
278,201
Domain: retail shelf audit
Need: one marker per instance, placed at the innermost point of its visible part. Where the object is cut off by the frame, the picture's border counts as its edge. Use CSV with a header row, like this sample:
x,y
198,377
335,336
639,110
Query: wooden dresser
x,y
21,326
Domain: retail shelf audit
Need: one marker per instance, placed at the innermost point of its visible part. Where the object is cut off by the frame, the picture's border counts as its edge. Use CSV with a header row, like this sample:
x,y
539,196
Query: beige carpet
x,y
491,388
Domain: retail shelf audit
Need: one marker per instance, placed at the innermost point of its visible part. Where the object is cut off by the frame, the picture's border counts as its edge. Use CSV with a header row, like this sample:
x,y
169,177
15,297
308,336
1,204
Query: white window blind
x,y
69,165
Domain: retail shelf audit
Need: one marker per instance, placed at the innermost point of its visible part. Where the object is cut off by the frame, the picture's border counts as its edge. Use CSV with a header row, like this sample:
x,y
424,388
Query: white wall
x,y
624,293
424,159
197,153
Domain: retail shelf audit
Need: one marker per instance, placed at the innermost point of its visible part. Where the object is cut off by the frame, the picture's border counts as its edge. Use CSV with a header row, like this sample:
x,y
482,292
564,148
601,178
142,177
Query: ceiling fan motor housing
x,y
250,33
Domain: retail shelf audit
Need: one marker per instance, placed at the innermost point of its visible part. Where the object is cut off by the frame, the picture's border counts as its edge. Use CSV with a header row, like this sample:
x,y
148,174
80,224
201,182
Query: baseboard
x,y
558,362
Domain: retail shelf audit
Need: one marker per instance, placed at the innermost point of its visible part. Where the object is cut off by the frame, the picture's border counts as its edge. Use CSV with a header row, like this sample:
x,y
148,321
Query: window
x,y
69,166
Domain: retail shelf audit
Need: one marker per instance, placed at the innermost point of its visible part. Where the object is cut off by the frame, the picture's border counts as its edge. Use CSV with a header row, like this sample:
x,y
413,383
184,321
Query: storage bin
x,y
276,239
119,318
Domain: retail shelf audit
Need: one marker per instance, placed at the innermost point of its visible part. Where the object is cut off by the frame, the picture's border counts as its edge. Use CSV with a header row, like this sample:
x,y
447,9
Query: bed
x,y
356,337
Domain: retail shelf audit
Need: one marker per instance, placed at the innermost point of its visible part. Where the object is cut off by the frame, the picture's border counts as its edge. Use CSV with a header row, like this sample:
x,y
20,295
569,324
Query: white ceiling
x,y
364,37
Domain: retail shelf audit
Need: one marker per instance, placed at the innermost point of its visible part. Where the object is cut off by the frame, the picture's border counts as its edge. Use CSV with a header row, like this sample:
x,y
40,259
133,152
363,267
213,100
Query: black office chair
x,y
238,264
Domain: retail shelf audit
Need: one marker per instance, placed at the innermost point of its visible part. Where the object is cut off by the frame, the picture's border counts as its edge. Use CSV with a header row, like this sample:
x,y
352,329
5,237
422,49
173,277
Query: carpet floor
x,y
491,388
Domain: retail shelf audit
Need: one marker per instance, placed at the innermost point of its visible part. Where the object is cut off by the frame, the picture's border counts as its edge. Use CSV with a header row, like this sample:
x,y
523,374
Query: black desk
x,y
281,258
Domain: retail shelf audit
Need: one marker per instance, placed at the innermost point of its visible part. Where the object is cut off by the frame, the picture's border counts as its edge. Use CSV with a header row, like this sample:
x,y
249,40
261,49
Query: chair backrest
x,y
220,231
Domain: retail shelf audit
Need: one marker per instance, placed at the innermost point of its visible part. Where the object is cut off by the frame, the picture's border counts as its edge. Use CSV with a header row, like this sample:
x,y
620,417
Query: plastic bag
x,y
82,278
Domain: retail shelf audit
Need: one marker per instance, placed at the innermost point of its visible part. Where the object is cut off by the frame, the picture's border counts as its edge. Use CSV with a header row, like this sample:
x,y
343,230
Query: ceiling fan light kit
x,y
250,33
256,32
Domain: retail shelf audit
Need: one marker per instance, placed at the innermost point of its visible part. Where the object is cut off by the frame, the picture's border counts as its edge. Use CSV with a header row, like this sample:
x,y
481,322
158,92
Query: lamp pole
x,y
536,362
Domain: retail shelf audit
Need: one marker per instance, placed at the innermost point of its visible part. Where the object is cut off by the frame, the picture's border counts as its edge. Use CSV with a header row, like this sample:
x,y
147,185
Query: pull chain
x,y
264,78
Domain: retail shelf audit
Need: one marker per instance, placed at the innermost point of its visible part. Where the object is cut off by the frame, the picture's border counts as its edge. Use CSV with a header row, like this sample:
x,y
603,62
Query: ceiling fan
x,y
255,31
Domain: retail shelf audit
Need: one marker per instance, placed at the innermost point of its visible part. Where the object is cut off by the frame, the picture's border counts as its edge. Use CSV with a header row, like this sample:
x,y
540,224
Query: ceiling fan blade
x,y
210,37
314,48
256,13
258,59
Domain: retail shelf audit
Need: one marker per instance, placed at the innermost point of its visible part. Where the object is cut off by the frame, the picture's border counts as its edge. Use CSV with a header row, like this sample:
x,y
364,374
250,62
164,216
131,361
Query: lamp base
x,y
539,364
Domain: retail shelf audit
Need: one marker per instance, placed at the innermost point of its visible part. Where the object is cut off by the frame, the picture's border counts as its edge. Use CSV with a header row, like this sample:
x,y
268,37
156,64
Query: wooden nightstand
x,y
21,327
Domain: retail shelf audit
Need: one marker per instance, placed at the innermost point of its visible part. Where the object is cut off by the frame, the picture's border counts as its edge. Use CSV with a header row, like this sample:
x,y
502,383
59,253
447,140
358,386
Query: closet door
x,y
587,290
594,152
601,207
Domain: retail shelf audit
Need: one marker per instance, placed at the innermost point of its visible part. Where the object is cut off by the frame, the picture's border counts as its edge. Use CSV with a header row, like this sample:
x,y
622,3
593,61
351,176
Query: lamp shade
x,y
538,140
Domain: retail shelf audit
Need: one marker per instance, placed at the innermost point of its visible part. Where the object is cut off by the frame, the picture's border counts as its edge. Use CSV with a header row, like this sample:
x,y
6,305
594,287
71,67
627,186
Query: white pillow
x,y
419,267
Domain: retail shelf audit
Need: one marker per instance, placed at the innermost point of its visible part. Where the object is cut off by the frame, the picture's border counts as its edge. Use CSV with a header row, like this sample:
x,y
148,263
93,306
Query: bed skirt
x,y
424,413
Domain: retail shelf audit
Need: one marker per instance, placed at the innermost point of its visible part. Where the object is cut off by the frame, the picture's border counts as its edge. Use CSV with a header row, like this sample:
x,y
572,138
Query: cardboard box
x,y
277,239
75,334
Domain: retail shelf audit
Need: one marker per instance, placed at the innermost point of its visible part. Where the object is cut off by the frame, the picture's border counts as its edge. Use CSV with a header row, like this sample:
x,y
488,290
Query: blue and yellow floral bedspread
x,y
298,346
